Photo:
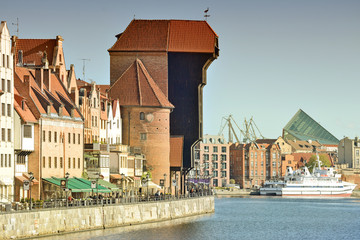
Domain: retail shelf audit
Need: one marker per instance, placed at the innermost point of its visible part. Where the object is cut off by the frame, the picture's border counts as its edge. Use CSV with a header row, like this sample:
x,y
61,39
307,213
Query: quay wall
x,y
61,220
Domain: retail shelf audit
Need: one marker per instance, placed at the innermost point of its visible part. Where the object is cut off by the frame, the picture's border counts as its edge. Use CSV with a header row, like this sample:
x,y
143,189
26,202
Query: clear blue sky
x,y
276,56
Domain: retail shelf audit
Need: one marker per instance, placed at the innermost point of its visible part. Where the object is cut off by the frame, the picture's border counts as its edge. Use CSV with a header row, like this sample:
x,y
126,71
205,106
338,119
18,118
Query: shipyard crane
x,y
248,132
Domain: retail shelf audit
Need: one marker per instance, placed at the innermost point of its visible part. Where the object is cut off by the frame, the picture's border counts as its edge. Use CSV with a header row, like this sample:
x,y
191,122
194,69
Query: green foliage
x,y
144,175
325,162
85,175
232,181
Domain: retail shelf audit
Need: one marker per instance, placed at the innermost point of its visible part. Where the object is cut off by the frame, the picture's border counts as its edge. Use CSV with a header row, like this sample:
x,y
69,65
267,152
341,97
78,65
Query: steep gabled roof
x,y
137,88
167,35
24,112
33,50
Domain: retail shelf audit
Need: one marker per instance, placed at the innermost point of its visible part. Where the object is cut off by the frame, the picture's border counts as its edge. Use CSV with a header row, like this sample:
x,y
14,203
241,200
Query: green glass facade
x,y
303,127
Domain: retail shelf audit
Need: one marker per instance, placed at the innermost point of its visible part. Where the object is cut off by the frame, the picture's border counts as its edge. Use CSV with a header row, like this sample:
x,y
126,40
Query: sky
x,y
276,56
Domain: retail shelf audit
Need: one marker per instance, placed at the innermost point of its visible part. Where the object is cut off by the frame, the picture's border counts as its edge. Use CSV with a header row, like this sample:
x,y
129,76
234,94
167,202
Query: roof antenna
x,y
134,16
17,26
206,15
84,59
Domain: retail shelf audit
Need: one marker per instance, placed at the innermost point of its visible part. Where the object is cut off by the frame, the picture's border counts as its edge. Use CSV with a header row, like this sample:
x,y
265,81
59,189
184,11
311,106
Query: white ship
x,y
322,182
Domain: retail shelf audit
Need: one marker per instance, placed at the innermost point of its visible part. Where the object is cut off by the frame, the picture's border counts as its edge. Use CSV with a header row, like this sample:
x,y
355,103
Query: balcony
x,y
95,147
119,148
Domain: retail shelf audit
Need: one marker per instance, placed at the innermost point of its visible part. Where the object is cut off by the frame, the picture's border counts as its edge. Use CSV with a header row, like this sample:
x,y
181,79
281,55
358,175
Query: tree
x,y
232,181
324,159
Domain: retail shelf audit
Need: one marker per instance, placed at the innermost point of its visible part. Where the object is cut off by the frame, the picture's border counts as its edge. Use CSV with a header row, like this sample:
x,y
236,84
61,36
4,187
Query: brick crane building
x,y
176,54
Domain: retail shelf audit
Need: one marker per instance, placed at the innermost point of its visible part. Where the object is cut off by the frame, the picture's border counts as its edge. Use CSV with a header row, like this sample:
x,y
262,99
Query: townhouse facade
x,y
212,160
6,116
252,164
349,152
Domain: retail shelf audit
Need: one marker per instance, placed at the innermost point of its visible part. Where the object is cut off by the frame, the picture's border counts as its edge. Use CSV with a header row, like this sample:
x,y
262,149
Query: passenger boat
x,y
320,183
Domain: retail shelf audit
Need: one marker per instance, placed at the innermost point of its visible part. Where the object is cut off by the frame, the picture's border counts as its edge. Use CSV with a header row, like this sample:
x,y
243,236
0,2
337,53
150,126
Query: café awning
x,y
108,185
78,185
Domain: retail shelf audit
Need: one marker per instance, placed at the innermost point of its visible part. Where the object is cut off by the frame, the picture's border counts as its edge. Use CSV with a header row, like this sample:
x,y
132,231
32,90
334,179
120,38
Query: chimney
x,y
39,77
47,78
20,58
61,109
48,110
27,82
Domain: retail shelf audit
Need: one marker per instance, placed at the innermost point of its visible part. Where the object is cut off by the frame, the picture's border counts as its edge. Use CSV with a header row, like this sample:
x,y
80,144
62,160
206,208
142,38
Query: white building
x,y
114,128
6,116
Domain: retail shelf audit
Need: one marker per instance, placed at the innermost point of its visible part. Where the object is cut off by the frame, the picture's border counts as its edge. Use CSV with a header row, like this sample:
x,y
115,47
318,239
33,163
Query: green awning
x,y
78,185
99,189
108,185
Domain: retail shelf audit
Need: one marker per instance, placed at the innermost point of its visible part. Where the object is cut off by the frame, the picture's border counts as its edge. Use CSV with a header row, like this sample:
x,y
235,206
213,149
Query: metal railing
x,y
63,203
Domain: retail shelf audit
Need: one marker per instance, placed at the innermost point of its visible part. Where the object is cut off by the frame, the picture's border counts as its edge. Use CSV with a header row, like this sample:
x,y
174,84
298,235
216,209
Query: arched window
x,y
142,116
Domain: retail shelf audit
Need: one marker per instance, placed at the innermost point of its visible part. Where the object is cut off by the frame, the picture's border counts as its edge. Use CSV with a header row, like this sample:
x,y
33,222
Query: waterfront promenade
x,y
50,221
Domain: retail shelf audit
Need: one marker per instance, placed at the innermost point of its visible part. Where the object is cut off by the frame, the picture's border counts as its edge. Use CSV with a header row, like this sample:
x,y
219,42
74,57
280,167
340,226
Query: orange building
x,y
252,164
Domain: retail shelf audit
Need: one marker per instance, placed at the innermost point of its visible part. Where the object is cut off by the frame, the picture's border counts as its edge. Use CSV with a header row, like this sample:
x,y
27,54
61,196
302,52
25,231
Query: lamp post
x,y
67,174
31,178
147,185
122,183
165,185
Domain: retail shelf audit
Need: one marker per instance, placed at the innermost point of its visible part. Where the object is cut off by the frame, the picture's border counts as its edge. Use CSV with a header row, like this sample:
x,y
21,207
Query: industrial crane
x,y
249,133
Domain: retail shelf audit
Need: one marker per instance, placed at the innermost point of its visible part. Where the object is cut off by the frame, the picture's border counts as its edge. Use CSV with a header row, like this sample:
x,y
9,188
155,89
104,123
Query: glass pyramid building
x,y
303,127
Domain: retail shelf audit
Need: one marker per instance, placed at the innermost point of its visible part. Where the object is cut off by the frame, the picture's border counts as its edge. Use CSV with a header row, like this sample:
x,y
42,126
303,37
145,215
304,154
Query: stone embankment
x,y
62,220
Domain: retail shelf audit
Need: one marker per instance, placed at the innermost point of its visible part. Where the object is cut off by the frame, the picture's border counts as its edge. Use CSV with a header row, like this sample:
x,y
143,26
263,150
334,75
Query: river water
x,y
250,218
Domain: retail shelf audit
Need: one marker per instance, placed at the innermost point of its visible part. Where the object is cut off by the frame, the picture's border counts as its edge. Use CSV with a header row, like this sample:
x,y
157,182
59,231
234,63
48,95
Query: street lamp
x,y
147,185
165,184
66,187
31,179
122,183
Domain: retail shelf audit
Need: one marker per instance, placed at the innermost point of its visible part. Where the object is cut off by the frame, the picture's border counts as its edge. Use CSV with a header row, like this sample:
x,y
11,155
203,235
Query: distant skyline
x,y
276,56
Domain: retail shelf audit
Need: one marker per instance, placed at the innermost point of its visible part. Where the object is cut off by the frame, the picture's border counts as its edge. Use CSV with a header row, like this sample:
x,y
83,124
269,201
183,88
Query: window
x,y
55,162
69,136
49,136
215,173
79,163
215,149
206,148
3,110
9,160
74,139
256,172
3,85
55,137
262,163
95,121
44,162
214,157
215,165
49,162
9,135
9,86
223,149
252,155
61,162
7,61
43,135
274,173
357,153
223,165
206,157
69,163
5,160
223,157
223,174
274,164
143,136
2,160
9,110
27,131
142,116
3,134
274,155
262,155
252,173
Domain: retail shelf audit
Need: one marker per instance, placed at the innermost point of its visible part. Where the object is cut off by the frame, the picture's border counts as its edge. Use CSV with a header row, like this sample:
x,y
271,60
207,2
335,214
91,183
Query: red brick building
x,y
252,164
176,55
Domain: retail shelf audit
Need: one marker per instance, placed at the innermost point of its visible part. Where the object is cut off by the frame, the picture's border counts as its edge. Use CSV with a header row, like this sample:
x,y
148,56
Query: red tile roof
x,y
33,50
25,113
137,88
167,35
55,97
